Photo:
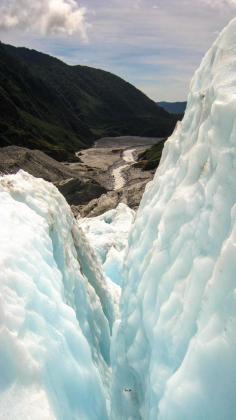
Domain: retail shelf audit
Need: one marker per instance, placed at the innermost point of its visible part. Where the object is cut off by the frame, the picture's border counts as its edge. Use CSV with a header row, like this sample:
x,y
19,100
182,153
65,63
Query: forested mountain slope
x,y
47,104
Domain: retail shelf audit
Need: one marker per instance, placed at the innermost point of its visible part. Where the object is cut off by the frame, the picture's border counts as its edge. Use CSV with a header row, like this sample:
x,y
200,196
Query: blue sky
x,y
154,44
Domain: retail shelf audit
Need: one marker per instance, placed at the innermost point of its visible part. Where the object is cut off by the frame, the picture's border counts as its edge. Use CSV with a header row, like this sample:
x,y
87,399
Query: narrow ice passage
x,y
56,313
108,236
173,346
175,343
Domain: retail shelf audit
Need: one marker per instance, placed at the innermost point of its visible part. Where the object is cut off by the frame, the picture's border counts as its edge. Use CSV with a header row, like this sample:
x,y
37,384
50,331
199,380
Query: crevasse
x,y
174,347
56,314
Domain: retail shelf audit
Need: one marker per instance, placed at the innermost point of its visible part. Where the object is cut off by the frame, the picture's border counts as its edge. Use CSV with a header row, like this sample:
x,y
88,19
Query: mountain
x,y
65,350
174,347
150,158
57,108
173,107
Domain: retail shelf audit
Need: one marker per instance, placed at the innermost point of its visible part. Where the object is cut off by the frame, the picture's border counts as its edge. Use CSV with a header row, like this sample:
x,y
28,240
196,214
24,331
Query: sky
x,y
154,44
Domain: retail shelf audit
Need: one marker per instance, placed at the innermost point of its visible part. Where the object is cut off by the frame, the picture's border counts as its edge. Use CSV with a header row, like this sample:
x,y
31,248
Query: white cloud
x,y
48,17
154,44
219,3
231,2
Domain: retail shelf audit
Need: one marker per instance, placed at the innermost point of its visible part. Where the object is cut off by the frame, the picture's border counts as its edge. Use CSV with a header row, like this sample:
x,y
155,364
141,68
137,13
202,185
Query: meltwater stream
x,y
119,180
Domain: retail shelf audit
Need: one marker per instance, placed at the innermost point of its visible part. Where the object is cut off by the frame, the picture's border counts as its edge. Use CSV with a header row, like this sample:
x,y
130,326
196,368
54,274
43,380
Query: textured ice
x,y
174,347
108,235
55,311
173,351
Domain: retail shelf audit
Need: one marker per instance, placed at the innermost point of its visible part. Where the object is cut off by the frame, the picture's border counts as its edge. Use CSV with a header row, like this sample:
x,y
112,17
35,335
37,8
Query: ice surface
x,y
55,311
108,235
174,348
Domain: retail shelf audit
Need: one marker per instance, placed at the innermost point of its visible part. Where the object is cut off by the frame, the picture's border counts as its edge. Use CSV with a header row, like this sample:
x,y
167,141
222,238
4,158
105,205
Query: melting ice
x,y
55,311
108,235
173,348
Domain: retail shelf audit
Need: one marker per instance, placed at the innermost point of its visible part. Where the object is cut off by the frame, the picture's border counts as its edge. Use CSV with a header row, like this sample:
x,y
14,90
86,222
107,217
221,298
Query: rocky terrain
x,y
100,178
75,186
101,164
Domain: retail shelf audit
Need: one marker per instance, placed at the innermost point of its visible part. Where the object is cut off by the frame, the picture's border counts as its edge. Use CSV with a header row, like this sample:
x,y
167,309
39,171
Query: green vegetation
x,y
150,159
57,108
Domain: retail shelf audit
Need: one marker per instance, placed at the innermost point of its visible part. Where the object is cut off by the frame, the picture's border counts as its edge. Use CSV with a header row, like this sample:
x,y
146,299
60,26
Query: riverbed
x,y
119,178
111,164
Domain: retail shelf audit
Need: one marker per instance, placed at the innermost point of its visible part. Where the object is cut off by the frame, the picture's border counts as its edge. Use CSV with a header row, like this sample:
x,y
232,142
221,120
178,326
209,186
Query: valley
x,y
98,179
58,108
111,314
111,163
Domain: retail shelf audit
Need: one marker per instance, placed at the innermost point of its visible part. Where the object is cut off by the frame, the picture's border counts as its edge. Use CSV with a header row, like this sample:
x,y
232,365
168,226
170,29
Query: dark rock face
x,y
130,195
35,162
76,190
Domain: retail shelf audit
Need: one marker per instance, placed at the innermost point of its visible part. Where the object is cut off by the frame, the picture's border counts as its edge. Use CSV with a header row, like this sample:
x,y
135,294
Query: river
x,y
119,179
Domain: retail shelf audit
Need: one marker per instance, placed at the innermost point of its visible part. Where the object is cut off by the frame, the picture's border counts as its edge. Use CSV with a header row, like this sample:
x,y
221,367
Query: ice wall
x,y
55,312
108,235
174,347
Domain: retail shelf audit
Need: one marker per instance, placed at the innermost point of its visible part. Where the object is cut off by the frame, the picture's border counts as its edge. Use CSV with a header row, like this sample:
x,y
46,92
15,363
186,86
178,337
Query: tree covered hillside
x,y
57,108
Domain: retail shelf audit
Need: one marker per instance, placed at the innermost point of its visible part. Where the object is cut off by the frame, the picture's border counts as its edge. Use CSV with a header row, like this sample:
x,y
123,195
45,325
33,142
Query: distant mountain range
x,y
57,108
173,107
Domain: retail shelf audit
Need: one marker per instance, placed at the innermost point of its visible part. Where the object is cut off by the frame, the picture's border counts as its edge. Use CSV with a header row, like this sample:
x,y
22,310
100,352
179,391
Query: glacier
x,y
108,236
66,352
56,314
174,346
